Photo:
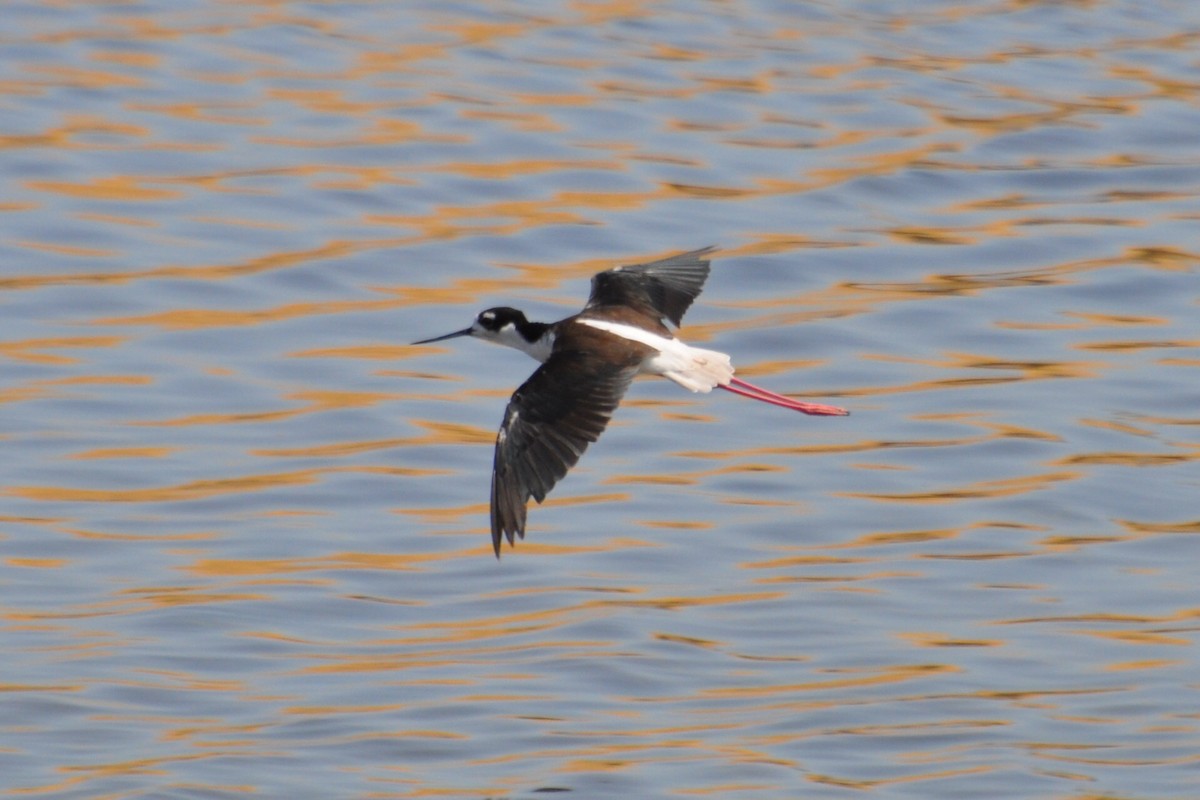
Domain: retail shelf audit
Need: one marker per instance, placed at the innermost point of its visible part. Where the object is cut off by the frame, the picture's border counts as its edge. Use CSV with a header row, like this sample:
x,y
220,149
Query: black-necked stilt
x,y
588,361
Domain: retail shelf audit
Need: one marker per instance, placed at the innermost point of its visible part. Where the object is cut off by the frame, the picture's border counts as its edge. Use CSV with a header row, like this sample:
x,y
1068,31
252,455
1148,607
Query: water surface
x,y
244,524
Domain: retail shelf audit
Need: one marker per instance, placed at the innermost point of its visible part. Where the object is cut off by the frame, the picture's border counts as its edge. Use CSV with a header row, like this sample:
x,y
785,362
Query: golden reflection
x,y
1136,345
1164,86
440,433
330,101
68,250
847,678
706,192
125,452
692,478
498,655
822,449
52,138
1020,371
200,318
904,537
315,402
767,244
137,601
896,160
381,131
975,490
121,187
1145,664
806,560
81,533
1186,615
21,394
335,562
1129,459
37,563
33,350
1180,362
844,582
1118,427
1152,528
689,417
509,169
166,596
1140,637
443,514
527,121
195,490
703,644
929,236
941,640
868,784
115,219
1169,259
675,525
478,629
219,113
266,263
569,207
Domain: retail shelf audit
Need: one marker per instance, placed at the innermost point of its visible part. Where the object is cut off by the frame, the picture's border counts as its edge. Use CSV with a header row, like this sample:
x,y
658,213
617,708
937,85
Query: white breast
x,y
509,336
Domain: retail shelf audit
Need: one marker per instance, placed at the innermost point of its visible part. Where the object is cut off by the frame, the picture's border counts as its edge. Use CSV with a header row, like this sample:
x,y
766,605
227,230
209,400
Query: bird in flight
x,y
588,361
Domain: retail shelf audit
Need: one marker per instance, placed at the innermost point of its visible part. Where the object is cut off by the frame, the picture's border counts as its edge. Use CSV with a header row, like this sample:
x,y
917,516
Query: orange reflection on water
x,y
39,389
439,433
994,432
942,640
680,478
128,602
508,169
195,490
974,490
316,402
1154,528
120,187
334,562
1130,459
37,563
33,350
200,318
1136,344
846,678
480,510
125,452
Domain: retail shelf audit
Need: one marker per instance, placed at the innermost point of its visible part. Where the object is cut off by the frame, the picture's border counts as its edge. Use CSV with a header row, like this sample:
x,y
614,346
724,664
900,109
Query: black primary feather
x,y
664,288
549,422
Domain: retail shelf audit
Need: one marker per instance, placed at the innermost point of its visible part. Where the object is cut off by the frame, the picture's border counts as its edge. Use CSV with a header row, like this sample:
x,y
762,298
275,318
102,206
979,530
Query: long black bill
x,y
463,332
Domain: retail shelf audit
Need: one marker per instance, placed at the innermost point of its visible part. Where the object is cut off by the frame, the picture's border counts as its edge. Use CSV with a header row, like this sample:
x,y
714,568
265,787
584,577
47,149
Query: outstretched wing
x,y
663,288
562,408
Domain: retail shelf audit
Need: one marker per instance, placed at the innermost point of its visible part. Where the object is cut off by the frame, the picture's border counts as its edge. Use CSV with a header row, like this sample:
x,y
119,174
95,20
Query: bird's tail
x,y
699,370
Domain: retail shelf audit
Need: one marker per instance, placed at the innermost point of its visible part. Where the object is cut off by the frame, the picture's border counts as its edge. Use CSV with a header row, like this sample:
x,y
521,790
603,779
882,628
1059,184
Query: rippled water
x,y
243,524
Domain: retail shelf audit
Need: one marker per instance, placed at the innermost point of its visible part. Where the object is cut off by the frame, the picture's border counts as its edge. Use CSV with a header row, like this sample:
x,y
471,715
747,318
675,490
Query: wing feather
x,y
665,288
548,424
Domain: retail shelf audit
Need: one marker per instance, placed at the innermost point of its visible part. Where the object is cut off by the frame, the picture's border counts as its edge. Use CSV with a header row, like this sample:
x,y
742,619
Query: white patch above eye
x,y
488,315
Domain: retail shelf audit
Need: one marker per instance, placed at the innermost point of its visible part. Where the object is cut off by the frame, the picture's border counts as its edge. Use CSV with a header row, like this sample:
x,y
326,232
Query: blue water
x,y
244,524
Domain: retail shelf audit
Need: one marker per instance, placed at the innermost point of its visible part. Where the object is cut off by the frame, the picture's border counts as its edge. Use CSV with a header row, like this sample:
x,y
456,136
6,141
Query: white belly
x,y
692,368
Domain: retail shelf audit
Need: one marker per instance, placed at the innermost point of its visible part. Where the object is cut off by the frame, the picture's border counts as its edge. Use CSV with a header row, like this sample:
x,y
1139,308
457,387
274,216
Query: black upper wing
x,y
562,408
664,288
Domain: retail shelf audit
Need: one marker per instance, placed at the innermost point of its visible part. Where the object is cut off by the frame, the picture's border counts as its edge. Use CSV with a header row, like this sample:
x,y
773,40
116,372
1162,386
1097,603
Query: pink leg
x,y
747,389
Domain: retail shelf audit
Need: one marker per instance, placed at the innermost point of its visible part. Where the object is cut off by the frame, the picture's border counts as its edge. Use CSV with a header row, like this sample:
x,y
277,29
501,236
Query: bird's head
x,y
501,325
